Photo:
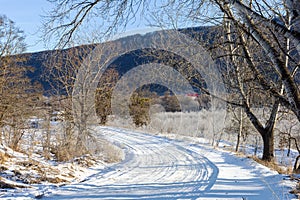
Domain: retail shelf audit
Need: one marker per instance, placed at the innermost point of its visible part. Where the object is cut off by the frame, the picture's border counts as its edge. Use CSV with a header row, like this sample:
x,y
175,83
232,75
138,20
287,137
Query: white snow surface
x,y
156,167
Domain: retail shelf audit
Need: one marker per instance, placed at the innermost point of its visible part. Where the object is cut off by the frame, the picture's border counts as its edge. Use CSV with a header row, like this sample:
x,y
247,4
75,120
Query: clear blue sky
x,y
27,16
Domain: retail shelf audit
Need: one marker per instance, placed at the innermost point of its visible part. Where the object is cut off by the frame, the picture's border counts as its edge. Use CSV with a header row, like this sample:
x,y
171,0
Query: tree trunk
x,y
268,148
296,165
240,131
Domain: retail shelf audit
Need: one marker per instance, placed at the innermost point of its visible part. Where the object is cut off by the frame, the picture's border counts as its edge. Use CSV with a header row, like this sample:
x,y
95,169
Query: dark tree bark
x,y
266,132
268,141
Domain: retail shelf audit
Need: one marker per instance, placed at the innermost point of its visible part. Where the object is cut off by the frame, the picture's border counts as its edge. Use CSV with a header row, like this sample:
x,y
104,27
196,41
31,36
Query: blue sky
x,y
27,16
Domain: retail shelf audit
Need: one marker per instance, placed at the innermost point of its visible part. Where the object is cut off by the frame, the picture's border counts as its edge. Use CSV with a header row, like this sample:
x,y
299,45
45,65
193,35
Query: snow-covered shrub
x,y
203,123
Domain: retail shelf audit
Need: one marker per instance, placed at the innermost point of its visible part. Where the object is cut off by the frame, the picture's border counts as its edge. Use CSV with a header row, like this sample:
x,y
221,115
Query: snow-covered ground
x,y
23,177
160,168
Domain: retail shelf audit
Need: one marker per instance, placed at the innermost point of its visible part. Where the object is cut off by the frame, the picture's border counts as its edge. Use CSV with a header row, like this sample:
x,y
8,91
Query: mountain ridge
x,y
39,60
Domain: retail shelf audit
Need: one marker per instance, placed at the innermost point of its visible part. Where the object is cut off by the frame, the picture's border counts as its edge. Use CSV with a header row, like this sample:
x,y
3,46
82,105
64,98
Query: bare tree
x,y
74,103
19,96
271,45
282,67
104,93
270,39
60,70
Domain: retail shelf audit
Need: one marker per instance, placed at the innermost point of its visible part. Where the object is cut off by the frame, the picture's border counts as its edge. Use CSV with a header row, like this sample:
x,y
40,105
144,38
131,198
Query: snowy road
x,y
160,168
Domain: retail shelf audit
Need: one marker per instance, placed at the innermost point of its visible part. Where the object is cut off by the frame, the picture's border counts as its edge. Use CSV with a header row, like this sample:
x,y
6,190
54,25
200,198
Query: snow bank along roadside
x,y
28,173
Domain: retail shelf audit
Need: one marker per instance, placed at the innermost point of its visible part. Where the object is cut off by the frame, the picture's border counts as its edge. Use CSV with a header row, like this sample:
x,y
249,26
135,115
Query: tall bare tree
x,y
73,101
60,69
19,96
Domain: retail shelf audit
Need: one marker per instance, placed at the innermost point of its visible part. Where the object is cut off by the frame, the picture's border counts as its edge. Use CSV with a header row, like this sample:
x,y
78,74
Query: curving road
x,y
159,168
154,168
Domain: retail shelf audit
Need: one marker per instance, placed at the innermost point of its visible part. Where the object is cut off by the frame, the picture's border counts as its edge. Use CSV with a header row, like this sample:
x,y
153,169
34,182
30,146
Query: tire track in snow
x,y
177,156
153,168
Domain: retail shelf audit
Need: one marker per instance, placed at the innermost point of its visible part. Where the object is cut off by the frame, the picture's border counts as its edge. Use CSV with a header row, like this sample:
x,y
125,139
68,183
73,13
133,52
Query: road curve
x,y
154,168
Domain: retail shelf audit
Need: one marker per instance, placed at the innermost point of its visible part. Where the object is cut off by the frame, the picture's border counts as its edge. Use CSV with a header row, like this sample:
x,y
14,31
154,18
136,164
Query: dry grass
x,y
29,171
85,160
273,165
109,152
3,157
63,153
296,190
